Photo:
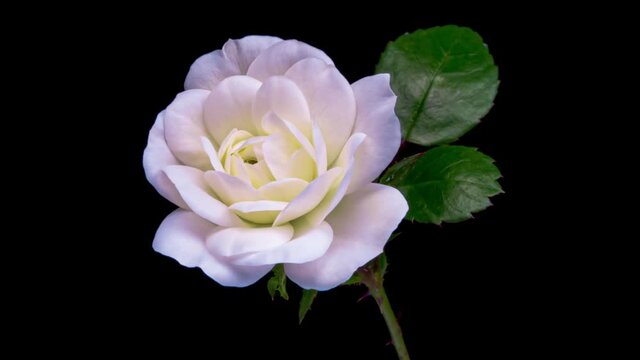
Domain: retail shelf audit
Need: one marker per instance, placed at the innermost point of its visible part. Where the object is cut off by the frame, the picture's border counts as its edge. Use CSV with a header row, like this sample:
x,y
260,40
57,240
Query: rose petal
x,y
238,169
183,124
277,151
272,123
283,190
182,236
362,224
305,247
234,58
230,189
230,106
310,197
193,189
235,241
335,195
156,157
212,153
259,173
330,99
282,97
301,166
377,119
277,59
320,149
244,51
260,211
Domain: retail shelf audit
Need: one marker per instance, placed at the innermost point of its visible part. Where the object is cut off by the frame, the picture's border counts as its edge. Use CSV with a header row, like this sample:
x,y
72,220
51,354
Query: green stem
x,y
376,289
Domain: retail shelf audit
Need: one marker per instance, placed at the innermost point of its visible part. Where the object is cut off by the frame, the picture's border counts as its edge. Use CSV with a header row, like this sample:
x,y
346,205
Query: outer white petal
x,y
156,157
277,59
331,101
184,128
376,118
182,236
193,189
234,59
235,241
229,106
362,224
244,51
305,247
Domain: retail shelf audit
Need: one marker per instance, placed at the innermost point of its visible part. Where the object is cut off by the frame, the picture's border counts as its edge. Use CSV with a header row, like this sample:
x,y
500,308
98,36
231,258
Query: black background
x,y
458,289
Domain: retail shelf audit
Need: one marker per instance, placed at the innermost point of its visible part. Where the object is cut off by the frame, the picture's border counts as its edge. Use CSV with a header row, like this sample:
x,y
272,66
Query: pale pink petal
x,y
331,101
182,236
310,197
303,248
260,211
229,106
230,189
320,149
377,119
244,51
362,224
195,192
281,96
283,190
235,241
212,153
277,59
184,128
156,157
335,195
234,59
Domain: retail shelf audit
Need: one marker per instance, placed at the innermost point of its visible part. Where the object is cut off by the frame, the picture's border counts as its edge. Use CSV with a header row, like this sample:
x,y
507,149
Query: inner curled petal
x,y
283,97
259,212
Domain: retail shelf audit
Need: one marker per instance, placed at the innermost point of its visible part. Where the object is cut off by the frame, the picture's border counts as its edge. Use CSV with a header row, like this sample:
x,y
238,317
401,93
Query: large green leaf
x,y
305,303
447,183
445,80
278,282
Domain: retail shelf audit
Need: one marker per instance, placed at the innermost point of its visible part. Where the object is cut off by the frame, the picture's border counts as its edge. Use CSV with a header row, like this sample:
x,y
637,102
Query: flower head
x,y
270,154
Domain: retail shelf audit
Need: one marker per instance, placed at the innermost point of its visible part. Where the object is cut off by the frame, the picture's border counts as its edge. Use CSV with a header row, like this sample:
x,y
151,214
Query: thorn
x,y
389,343
367,294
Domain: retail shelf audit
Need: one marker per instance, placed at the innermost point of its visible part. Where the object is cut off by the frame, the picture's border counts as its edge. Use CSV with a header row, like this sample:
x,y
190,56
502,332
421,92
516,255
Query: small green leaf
x,y
278,282
355,279
445,80
382,264
447,183
305,303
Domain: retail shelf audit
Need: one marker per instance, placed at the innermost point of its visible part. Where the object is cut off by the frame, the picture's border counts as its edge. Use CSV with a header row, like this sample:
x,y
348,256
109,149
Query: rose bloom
x,y
270,154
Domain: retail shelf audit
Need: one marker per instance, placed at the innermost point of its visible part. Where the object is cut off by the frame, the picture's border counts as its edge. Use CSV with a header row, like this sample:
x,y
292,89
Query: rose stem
x,y
376,289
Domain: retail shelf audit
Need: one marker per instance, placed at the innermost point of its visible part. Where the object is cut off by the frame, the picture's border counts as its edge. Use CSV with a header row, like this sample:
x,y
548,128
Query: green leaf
x,y
355,279
305,303
445,80
382,264
278,282
447,183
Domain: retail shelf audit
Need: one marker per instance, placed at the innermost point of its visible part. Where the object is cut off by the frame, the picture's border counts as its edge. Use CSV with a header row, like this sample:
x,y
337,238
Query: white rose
x,y
270,155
